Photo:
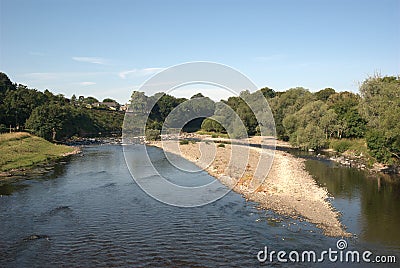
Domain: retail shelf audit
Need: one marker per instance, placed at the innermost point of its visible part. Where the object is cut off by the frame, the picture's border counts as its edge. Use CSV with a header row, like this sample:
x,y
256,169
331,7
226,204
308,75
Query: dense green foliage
x,y
341,145
212,125
246,115
53,117
153,134
380,105
308,120
165,110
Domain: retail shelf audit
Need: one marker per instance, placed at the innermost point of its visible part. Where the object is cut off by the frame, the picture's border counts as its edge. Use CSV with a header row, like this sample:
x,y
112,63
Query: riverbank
x,y
22,151
288,188
352,153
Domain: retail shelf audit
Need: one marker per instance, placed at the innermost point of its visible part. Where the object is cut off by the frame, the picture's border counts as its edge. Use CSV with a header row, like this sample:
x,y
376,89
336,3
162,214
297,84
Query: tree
x,y
310,137
245,113
52,122
309,127
190,113
287,103
380,105
324,94
73,99
345,104
211,125
198,95
90,100
5,85
268,92
109,100
19,103
138,103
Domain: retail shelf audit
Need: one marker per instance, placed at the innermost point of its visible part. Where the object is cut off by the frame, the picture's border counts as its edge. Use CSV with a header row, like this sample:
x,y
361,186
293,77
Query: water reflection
x,y
370,203
95,215
9,186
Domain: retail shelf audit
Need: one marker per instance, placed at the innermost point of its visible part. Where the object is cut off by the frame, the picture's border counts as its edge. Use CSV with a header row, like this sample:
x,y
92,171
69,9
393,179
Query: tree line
x,y
307,120
53,117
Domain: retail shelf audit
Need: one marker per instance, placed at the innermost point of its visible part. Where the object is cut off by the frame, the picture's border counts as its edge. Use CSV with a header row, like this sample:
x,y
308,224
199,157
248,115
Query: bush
x,y
310,137
214,136
221,145
183,142
210,124
341,146
378,146
153,135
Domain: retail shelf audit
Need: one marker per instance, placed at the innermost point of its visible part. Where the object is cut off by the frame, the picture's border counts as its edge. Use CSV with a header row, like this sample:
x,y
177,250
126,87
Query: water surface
x,y
90,212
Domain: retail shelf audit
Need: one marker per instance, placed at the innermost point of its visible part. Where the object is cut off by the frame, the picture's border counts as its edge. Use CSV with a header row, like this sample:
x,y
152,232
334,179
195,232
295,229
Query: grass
x,y
23,150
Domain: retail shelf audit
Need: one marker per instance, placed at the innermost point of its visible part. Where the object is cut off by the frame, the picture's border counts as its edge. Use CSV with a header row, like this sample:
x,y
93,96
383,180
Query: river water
x,y
89,212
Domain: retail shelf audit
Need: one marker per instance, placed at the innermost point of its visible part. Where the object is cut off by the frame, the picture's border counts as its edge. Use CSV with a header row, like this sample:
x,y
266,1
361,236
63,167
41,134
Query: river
x,y
88,211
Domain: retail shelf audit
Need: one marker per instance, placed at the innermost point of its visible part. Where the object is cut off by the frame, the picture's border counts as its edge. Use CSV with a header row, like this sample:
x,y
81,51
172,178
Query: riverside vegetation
x,y
51,118
22,150
364,124
55,117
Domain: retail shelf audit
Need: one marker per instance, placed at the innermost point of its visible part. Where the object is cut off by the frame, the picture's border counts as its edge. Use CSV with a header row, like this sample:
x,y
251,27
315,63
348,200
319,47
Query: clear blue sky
x,y
109,48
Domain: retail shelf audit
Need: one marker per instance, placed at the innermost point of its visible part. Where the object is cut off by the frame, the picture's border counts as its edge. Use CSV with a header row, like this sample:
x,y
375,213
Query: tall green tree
x,y
19,104
286,103
52,122
324,94
310,127
345,104
380,105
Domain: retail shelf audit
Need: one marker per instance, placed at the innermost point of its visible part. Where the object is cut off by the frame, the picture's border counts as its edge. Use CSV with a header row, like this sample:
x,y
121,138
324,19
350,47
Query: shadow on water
x,y
19,182
9,188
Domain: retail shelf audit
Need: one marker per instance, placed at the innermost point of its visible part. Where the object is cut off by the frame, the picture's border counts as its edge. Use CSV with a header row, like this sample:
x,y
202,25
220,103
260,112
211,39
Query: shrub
x,y
210,124
183,142
221,145
341,145
153,135
378,146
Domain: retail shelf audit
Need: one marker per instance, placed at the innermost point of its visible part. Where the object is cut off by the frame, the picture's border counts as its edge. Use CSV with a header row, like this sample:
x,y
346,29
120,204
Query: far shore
x,y
287,189
22,153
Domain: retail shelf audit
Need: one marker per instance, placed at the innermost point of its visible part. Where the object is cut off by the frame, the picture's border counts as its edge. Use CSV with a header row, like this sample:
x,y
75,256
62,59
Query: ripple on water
x,y
98,218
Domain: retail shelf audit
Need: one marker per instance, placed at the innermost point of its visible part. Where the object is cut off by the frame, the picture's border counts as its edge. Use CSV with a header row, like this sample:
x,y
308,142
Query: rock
x,y
36,237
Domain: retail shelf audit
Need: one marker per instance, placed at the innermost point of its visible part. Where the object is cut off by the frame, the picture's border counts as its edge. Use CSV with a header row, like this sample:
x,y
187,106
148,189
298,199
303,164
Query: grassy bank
x,y
23,150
